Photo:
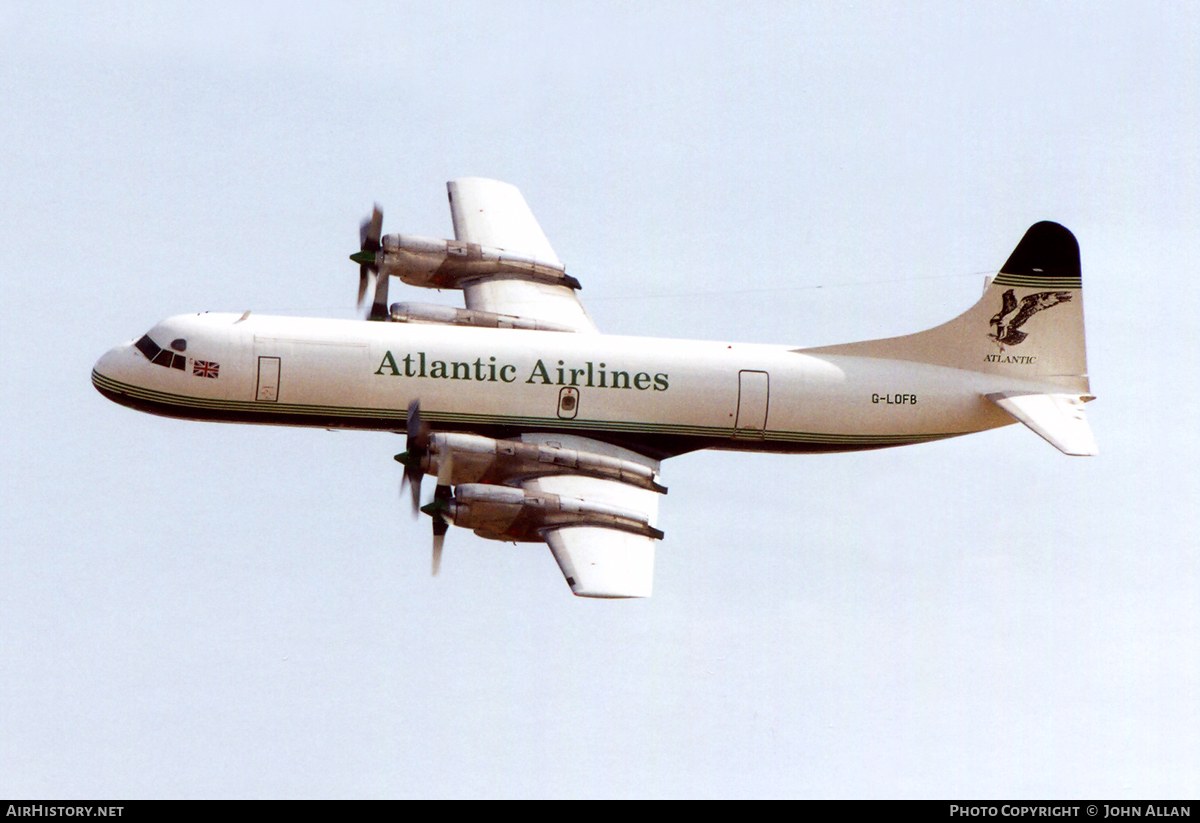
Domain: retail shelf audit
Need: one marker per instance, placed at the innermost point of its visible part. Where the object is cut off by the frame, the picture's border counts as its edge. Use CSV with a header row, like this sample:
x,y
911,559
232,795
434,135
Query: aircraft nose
x,y
114,369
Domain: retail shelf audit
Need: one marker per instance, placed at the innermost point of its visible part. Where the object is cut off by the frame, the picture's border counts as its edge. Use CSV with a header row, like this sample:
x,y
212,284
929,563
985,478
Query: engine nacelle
x,y
448,264
506,513
472,458
450,316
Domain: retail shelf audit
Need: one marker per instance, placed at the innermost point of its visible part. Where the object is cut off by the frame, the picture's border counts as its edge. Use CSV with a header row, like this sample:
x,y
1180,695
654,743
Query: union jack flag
x,y
205,368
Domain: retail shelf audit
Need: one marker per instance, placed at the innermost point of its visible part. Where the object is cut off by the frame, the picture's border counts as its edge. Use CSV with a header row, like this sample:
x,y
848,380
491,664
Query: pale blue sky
x,y
194,609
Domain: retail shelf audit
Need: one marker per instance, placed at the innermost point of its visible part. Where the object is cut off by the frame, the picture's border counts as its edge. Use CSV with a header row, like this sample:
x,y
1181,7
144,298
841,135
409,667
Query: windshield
x,y
159,356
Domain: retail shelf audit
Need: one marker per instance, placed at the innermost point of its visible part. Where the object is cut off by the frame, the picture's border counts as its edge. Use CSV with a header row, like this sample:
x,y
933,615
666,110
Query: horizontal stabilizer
x,y
1058,418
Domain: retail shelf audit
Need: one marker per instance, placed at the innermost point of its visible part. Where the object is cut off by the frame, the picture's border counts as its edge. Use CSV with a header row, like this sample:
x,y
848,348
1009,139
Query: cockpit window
x,y
179,344
148,347
160,356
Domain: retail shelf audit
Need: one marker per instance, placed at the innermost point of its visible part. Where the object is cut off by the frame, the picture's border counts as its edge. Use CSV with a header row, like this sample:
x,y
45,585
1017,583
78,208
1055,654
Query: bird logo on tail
x,y
1008,324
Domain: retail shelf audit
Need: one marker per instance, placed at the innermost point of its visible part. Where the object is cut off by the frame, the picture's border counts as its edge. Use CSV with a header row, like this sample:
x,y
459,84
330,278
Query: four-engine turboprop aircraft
x,y
539,428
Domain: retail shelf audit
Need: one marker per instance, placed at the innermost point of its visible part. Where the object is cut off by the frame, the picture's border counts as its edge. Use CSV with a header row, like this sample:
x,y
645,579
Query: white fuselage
x,y
658,397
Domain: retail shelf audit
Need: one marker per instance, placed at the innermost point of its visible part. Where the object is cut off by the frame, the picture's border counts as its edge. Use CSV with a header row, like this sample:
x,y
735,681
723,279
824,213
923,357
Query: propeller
x,y
414,471
417,446
442,495
369,232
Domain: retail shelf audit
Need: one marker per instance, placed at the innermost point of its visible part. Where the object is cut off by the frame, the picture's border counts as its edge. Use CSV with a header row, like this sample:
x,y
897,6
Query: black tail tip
x,y
1046,250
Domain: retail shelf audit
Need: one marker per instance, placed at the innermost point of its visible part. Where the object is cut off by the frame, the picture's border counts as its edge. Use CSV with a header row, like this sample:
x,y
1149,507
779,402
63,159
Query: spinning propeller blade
x,y
439,539
417,446
436,510
415,460
369,232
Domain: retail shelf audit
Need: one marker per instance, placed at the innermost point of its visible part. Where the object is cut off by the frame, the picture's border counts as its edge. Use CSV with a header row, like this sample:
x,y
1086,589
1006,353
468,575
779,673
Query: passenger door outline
x,y
754,395
268,379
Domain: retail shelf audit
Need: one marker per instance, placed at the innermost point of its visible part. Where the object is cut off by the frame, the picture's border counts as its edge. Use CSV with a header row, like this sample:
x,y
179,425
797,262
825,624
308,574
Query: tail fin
x,y
1028,324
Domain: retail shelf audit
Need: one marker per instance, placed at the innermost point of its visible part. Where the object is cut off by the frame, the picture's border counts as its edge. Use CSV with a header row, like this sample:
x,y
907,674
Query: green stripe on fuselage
x,y
243,408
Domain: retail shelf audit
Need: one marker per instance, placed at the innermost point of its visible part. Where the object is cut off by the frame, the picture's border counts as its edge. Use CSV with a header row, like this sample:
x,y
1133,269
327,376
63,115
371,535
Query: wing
x,y
494,214
600,561
604,563
594,504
